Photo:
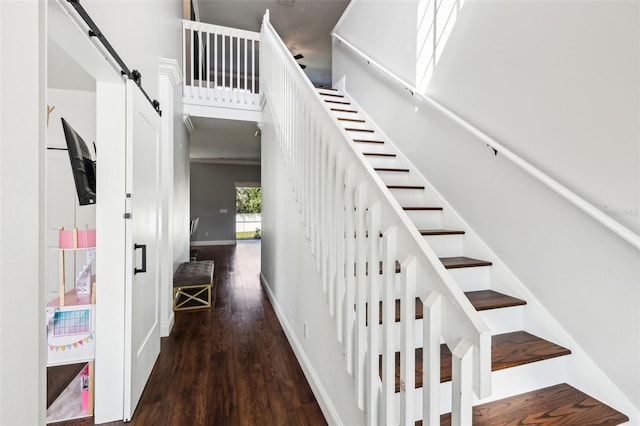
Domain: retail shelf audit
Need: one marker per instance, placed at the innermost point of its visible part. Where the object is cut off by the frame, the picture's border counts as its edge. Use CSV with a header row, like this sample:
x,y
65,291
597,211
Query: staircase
x,y
527,370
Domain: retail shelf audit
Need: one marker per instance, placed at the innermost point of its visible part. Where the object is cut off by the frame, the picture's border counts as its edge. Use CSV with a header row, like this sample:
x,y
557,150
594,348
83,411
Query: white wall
x,y
22,136
79,109
289,273
386,31
557,81
181,184
213,189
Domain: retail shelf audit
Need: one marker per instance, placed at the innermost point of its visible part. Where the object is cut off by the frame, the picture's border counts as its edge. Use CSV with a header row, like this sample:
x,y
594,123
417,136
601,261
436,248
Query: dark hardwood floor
x,y
228,365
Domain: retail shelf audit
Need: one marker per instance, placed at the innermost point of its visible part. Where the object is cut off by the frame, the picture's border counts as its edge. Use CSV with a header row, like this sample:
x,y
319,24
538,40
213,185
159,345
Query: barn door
x,y
142,296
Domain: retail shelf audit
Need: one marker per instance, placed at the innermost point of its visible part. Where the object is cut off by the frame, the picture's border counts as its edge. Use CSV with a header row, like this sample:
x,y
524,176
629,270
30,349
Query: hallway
x,y
231,364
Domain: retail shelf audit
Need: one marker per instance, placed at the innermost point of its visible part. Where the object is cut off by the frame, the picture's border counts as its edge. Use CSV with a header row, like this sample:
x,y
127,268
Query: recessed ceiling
x,y
304,26
224,141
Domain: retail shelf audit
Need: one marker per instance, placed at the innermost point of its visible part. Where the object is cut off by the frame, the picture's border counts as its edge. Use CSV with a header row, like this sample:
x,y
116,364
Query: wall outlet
x,y
206,234
224,211
306,330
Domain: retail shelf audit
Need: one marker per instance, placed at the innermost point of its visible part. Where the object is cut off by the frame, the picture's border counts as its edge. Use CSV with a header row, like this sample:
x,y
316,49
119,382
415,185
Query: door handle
x,y
144,258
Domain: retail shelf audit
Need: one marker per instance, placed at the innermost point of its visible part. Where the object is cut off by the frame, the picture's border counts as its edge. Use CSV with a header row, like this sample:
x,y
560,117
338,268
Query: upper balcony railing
x,y
220,66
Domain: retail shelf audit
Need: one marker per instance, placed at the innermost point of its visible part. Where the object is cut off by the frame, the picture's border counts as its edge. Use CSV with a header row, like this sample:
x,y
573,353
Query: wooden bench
x,y
192,284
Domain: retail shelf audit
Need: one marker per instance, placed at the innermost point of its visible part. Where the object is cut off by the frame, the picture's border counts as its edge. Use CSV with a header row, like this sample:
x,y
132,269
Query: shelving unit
x,y
71,334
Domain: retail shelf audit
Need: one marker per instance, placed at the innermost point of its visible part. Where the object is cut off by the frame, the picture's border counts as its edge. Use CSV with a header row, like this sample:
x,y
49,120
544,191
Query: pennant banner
x,y
71,345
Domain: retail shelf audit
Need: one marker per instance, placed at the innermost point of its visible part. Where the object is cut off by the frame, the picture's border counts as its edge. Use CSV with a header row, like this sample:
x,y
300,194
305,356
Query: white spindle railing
x,y
220,66
358,233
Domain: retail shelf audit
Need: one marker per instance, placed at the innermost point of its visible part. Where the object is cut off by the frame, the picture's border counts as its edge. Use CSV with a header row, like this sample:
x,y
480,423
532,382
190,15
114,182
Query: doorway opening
x,y
248,211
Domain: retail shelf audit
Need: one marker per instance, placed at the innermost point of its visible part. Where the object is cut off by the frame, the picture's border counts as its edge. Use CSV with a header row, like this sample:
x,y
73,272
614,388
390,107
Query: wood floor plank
x,y
228,365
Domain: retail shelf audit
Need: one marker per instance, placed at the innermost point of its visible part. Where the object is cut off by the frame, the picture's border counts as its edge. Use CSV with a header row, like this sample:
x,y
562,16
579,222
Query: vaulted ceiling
x,y
304,26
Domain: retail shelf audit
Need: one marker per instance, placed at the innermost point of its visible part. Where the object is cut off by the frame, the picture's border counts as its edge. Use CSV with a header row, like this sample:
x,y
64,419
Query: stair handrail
x,y
616,227
462,327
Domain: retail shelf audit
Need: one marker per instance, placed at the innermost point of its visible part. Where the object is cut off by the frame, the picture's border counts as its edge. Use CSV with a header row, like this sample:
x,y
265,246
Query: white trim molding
x,y
170,68
188,123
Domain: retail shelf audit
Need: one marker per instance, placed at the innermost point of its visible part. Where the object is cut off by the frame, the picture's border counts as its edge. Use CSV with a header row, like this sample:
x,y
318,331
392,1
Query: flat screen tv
x,y
82,165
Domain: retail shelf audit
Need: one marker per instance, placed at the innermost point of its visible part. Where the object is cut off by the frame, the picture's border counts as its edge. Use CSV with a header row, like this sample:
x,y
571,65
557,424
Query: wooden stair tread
x,y
555,405
432,232
390,169
481,300
484,300
329,101
367,141
343,110
352,120
353,129
378,154
421,208
507,350
462,262
405,186
335,95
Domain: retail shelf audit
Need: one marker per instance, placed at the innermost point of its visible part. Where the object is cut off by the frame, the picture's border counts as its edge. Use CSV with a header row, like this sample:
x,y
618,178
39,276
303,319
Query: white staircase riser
x,y
425,219
341,114
369,147
504,320
354,124
410,197
396,178
389,162
446,245
472,279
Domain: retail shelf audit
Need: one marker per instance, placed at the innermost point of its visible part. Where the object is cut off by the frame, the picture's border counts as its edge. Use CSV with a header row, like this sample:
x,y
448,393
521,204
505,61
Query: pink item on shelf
x,y
65,239
86,238
84,388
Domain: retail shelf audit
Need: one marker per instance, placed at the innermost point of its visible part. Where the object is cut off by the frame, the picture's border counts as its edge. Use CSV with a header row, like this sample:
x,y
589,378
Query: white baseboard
x,y
328,410
213,243
165,329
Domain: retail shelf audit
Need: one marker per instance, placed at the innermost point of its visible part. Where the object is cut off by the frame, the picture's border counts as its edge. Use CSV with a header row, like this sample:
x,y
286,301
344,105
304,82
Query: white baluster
x,y
432,324
389,238
192,61
215,66
208,64
237,69
461,384
350,260
361,292
184,60
373,301
340,246
244,86
253,66
331,226
407,345
223,72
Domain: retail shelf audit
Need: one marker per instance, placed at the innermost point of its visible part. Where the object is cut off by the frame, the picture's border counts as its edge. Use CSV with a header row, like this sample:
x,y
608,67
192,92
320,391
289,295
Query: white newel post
x,y
170,78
